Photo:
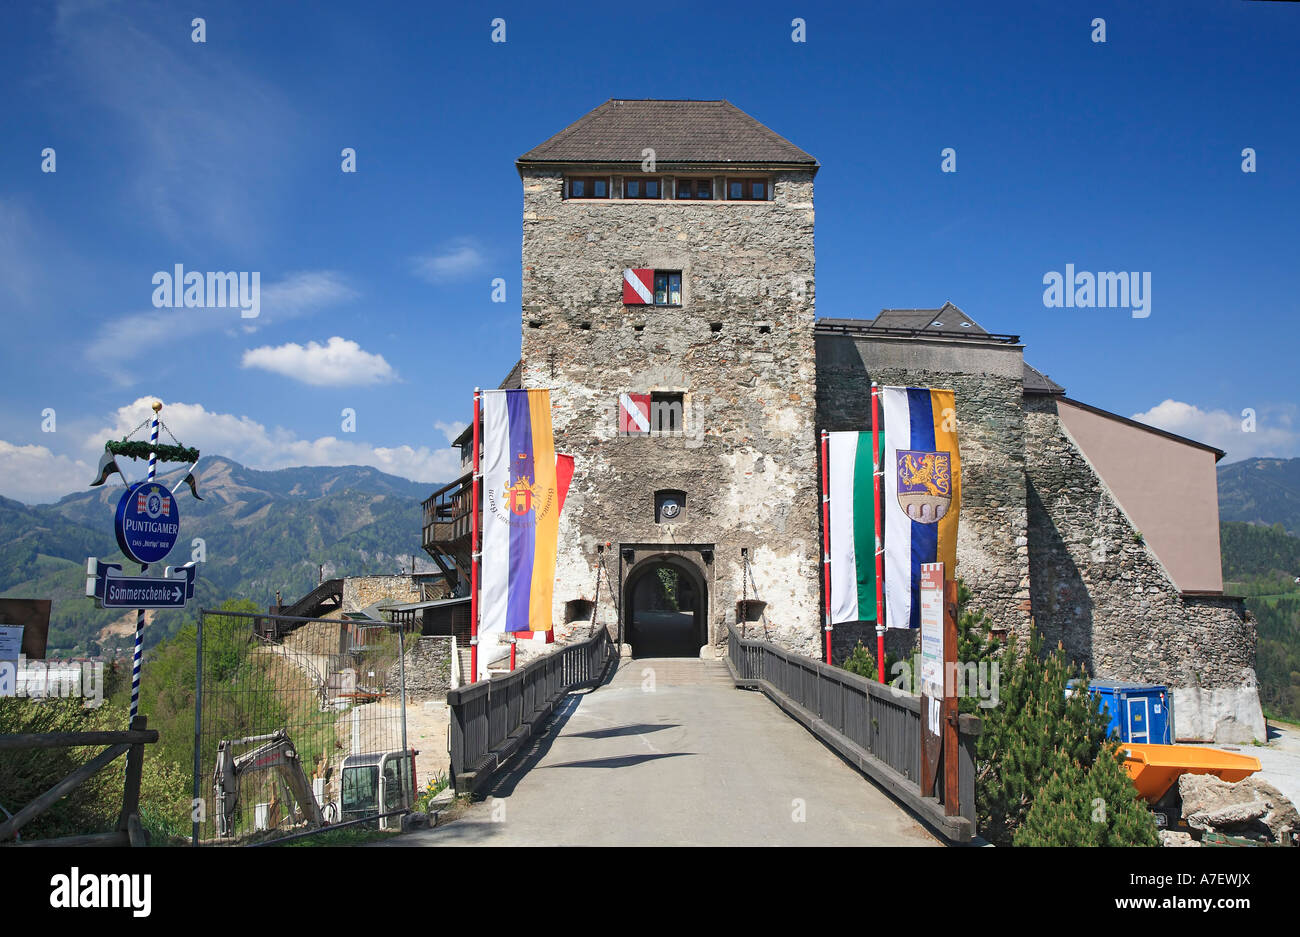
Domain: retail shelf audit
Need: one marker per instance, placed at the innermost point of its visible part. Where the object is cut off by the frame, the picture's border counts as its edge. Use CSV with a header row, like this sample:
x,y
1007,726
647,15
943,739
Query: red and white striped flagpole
x,y
877,480
475,557
139,612
826,544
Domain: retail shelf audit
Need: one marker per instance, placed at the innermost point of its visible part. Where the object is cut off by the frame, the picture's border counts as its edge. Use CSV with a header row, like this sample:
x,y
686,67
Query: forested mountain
x,y
1262,563
1261,491
261,532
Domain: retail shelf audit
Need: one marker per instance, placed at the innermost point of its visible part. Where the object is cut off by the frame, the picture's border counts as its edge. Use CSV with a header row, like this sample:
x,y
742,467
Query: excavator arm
x,y
276,753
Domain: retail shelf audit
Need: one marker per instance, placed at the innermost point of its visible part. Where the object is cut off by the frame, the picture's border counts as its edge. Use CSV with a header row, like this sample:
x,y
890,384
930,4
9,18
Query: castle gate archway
x,y
665,607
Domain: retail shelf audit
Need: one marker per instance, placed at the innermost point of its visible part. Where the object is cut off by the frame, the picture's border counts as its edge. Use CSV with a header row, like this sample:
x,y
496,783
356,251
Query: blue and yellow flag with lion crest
x,y
922,494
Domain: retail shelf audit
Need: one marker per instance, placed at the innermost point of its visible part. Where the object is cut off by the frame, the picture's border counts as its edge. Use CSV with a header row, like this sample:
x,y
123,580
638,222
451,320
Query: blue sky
x,y
225,155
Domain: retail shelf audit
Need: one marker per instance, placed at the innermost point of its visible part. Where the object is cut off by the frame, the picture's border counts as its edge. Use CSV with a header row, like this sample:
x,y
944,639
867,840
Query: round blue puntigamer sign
x,y
147,522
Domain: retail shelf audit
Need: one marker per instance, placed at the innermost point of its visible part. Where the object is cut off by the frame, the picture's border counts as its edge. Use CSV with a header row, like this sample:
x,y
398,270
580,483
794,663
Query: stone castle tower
x,y
688,396
668,305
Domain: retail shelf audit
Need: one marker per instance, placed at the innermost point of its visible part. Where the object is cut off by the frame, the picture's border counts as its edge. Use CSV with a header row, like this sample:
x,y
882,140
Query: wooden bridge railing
x,y
491,719
131,743
876,728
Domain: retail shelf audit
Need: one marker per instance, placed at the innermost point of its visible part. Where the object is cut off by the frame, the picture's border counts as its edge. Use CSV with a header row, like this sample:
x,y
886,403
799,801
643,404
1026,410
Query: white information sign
x,y
932,630
11,642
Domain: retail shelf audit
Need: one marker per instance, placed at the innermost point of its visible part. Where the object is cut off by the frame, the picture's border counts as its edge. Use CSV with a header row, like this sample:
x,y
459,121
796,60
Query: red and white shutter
x,y
638,287
634,414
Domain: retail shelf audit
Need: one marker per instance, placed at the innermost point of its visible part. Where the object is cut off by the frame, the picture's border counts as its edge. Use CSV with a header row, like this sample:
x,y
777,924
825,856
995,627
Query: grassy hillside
x,y
261,532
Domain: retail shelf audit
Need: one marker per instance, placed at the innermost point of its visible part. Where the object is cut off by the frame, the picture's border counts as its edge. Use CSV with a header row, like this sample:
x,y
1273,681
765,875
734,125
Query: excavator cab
x,y
377,783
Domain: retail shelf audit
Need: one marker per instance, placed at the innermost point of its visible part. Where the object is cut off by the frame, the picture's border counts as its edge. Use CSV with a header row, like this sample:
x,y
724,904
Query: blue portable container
x,y
1139,712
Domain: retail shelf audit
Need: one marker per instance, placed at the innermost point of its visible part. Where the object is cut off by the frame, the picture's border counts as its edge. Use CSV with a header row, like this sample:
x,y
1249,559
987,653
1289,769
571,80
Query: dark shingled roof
x,y
1036,382
514,380
947,318
945,322
706,132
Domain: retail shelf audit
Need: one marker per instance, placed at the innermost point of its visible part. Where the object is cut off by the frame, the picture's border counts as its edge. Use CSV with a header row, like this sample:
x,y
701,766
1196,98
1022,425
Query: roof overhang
x,y
664,167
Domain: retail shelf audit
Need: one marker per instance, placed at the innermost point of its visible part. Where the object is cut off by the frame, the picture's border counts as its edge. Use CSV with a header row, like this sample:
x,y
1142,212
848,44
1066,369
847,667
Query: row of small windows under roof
x,y
653,187
714,327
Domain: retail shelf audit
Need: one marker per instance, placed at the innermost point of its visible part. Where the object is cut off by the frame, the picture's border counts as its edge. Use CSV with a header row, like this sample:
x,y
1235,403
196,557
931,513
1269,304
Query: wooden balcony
x,y
446,523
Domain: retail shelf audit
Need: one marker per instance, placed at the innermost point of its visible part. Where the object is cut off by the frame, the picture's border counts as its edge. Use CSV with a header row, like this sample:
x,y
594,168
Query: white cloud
x,y
450,430
337,363
1275,433
456,260
252,444
34,474
132,335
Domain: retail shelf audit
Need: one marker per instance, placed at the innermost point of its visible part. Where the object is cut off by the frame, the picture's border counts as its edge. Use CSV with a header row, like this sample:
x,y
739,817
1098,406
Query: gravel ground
x,y
426,732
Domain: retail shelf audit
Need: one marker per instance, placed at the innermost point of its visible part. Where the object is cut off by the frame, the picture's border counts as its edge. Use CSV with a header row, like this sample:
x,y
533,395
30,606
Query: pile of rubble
x,y
1250,809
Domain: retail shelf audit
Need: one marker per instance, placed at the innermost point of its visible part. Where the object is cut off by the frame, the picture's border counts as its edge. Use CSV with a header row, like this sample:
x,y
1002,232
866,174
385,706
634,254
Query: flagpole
x,y
877,479
139,612
826,546
474,554
183,477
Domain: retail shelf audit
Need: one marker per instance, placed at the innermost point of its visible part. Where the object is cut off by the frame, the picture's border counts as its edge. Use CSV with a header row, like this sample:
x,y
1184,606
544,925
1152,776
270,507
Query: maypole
x,y
826,543
475,554
139,612
146,523
877,482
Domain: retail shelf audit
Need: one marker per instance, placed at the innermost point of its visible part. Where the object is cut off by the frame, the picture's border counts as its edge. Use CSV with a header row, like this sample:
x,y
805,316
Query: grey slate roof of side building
x,y
947,319
514,380
1036,382
705,132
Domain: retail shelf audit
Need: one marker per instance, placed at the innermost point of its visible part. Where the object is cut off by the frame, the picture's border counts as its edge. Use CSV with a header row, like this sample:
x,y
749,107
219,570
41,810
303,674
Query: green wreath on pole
x,y
140,449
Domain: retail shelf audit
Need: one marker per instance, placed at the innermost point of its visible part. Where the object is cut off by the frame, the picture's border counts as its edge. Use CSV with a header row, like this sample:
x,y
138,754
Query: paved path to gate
x,y
669,753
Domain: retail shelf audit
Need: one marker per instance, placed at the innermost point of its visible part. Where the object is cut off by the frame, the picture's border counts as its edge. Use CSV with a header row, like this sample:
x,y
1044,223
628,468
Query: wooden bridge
x,y
580,747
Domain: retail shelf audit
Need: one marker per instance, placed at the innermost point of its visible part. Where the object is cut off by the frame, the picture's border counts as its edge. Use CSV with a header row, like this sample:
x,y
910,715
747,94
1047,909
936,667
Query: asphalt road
x,y
669,753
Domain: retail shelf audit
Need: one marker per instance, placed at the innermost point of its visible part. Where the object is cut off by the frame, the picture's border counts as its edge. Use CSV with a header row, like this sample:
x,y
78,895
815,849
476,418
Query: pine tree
x,y
1127,820
1096,806
1031,734
861,662
1062,809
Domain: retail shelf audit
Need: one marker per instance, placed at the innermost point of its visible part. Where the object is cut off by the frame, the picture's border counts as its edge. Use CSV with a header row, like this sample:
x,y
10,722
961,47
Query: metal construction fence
x,y
877,727
299,726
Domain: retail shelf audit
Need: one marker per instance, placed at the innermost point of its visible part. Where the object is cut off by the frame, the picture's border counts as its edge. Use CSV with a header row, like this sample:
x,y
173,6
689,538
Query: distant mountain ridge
x,y
262,531
1261,491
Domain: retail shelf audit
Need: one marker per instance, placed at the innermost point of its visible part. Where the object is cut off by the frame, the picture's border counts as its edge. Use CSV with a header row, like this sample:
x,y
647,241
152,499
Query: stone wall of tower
x,y
987,381
1102,593
740,348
